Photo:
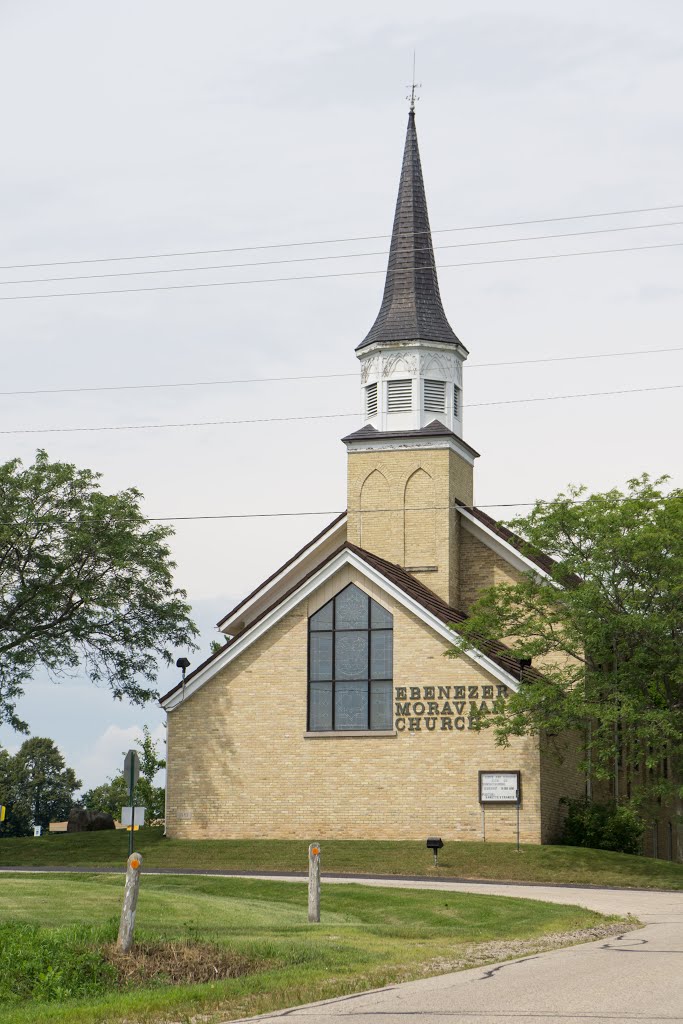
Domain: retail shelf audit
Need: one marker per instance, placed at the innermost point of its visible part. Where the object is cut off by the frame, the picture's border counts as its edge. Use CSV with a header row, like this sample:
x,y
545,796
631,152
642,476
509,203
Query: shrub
x,y
608,826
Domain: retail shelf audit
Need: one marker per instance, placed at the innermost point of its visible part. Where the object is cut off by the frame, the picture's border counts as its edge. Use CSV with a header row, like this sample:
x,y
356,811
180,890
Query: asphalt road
x,y
634,977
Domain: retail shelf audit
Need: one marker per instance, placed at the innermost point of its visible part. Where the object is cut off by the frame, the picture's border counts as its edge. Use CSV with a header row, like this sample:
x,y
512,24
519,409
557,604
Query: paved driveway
x,y
635,977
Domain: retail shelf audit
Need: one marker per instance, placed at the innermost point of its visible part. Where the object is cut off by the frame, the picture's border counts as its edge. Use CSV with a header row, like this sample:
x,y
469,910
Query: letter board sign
x,y
500,787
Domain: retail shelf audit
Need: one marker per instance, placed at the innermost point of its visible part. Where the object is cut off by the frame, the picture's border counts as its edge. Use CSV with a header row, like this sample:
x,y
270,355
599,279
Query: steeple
x,y
408,465
411,307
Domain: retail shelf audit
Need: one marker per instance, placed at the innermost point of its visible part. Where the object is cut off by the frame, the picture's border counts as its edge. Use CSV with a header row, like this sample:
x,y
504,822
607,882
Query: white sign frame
x,y
494,787
127,816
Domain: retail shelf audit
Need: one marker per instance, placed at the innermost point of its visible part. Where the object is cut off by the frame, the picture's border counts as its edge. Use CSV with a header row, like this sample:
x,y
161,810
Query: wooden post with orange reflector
x,y
130,902
314,883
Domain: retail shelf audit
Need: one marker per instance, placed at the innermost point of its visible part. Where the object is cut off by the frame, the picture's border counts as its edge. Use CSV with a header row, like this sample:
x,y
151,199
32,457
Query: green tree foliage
x,y
85,583
36,785
604,630
112,795
600,826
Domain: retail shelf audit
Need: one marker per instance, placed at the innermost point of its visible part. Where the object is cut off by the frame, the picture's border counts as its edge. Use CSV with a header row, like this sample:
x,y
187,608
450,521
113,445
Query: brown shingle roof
x,y
433,429
410,586
438,607
539,558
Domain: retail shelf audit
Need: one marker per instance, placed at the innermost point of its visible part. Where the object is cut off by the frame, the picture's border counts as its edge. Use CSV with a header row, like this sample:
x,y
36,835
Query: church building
x,y
331,712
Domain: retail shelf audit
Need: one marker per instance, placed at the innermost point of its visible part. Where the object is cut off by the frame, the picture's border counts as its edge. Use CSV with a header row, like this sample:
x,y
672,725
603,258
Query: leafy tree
x,y
39,786
150,762
112,795
85,582
604,630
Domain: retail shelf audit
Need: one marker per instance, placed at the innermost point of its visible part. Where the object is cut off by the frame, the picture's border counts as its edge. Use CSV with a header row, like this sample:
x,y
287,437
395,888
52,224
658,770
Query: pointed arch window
x,y
350,664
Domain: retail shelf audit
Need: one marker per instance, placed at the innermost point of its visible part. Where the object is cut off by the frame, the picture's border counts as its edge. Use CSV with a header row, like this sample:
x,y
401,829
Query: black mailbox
x,y
435,843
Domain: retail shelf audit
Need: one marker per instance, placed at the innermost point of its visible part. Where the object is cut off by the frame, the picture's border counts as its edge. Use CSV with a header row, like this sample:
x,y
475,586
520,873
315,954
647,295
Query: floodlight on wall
x,y
183,664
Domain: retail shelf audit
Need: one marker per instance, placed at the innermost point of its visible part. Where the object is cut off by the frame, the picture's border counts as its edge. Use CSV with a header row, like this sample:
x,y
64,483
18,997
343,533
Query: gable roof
x,y
318,540
401,584
527,554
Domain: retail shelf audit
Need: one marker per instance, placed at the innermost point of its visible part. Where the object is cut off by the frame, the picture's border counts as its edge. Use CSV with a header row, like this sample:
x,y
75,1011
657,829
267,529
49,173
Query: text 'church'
x,y
331,712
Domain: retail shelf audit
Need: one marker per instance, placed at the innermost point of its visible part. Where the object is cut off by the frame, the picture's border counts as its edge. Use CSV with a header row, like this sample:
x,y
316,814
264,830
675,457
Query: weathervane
x,y
415,85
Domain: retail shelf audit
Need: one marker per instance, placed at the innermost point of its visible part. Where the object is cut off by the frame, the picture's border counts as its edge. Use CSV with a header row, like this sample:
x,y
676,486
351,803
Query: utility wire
x,y
318,277
336,256
333,241
326,376
320,416
326,512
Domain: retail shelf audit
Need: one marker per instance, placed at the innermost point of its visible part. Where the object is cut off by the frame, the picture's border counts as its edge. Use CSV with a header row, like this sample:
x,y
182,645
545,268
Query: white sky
x,y
166,126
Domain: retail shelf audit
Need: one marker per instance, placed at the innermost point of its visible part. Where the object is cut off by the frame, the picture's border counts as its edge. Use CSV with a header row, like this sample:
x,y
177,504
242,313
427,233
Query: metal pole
x,y
518,826
131,787
314,883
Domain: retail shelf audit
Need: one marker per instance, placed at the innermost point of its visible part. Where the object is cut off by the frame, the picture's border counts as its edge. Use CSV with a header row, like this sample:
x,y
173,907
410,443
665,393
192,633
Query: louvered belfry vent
x,y
457,402
371,400
435,395
399,395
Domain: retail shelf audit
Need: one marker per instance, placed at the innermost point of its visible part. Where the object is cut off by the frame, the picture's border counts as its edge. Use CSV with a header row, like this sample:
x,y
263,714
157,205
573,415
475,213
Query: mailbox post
x,y
435,843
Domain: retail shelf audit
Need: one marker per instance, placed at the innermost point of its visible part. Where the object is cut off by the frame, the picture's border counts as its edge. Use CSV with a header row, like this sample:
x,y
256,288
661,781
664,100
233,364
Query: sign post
x,y
500,788
131,772
314,883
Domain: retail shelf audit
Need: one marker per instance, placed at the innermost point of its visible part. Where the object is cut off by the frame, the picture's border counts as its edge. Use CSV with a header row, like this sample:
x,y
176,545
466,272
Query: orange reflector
x,y
315,851
135,863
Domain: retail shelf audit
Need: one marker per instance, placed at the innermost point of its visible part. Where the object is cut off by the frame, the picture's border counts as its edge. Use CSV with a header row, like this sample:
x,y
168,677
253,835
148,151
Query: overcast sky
x,y
139,128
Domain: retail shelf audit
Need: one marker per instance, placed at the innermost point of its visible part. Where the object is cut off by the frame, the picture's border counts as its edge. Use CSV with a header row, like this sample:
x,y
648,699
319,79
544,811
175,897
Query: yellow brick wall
x,y
240,766
407,483
480,567
560,758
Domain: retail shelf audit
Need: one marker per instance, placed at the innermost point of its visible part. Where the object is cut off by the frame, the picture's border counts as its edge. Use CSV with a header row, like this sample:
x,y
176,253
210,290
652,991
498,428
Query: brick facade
x,y
241,764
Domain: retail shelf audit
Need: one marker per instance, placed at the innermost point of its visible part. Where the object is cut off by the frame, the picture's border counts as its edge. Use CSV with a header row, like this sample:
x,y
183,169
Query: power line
x,y
328,512
333,241
319,416
325,376
335,256
318,277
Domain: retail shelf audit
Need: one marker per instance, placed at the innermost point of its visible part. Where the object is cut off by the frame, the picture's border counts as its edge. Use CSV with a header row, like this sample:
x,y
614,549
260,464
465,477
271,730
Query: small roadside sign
x,y
131,768
37,831
127,816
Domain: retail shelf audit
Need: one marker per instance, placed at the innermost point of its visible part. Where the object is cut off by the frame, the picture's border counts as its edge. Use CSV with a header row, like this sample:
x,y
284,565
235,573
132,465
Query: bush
x,y
609,826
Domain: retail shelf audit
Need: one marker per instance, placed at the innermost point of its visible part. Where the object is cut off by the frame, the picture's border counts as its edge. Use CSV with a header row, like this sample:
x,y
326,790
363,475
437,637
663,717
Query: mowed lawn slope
x,y
368,937
494,861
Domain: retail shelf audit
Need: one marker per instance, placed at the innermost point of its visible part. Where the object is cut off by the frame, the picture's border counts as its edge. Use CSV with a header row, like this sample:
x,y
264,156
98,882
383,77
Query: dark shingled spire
x,y
411,308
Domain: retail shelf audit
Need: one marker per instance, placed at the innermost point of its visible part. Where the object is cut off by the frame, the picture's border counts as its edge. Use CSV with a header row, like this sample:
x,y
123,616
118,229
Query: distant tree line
x,y
37,786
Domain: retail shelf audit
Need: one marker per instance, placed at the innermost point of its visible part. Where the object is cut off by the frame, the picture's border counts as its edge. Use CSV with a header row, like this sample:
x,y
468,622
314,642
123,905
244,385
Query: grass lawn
x,y
368,937
496,861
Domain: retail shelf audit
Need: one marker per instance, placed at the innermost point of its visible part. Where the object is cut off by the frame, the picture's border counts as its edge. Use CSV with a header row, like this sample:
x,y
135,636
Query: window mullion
x,y
370,662
334,663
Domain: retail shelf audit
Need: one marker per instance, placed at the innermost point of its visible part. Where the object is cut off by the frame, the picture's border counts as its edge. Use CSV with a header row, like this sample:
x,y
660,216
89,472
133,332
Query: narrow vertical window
x,y
435,395
457,402
371,400
350,664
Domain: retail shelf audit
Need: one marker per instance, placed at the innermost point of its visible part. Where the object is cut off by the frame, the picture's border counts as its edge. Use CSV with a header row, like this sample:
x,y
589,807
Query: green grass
x,y
495,861
368,937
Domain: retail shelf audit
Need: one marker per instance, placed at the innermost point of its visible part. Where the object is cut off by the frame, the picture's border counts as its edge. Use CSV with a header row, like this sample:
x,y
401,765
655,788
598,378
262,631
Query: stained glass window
x,y
350,664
